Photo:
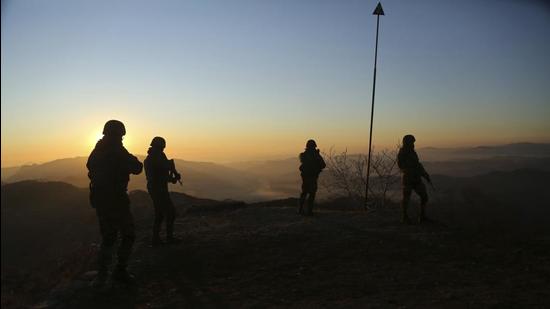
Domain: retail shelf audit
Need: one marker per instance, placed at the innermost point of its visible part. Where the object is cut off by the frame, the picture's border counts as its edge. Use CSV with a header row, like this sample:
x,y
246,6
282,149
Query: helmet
x,y
311,144
158,142
114,128
408,139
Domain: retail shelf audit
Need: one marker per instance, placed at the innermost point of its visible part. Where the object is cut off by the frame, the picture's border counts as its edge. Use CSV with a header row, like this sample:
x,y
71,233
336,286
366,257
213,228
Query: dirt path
x,y
270,257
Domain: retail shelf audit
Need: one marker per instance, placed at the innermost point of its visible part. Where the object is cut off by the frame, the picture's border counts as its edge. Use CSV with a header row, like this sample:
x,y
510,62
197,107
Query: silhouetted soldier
x,y
412,171
159,171
109,168
311,166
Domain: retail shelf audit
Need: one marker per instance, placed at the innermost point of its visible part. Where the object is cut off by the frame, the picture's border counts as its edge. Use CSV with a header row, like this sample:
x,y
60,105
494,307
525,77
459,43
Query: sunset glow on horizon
x,y
250,80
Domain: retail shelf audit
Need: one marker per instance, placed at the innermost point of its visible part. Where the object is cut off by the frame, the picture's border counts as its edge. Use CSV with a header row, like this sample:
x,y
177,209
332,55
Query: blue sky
x,y
232,80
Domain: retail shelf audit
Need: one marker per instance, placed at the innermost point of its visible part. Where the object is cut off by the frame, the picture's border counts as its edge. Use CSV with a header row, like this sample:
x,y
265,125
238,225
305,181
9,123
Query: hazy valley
x,y
265,180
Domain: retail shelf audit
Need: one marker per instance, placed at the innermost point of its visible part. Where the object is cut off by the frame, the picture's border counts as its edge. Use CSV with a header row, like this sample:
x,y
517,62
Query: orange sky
x,y
220,145
233,80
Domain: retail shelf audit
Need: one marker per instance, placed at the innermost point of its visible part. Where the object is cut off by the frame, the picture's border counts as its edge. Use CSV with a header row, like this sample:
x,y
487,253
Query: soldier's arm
x,y
170,165
401,160
90,164
322,163
301,156
423,172
174,171
134,166
420,168
94,160
155,163
131,162
301,167
90,161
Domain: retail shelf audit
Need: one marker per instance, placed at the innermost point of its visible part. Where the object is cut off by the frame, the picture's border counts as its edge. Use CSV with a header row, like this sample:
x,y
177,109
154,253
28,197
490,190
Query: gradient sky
x,y
243,80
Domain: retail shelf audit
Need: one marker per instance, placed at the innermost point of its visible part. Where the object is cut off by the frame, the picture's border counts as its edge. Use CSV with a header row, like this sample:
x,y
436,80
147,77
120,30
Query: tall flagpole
x,y
377,11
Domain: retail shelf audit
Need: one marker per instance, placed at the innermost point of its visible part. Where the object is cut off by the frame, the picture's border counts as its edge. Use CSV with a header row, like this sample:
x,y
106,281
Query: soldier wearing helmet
x,y
312,164
109,168
412,172
159,172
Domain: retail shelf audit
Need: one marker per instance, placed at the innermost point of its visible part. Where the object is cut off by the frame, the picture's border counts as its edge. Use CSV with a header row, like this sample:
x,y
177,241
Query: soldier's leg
x,y
105,253
420,189
302,201
127,231
311,202
108,232
120,273
159,216
407,190
312,194
128,236
302,196
170,218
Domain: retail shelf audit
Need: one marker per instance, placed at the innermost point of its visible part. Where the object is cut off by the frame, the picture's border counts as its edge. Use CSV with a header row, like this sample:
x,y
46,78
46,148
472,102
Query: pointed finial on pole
x,y
378,10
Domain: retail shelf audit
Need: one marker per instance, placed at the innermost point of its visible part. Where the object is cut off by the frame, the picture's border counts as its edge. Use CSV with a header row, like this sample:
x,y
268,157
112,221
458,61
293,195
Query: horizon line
x,y
283,157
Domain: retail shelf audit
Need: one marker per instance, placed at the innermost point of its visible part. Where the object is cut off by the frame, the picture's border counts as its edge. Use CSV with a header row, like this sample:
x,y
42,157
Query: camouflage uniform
x,y
157,170
312,164
412,171
109,166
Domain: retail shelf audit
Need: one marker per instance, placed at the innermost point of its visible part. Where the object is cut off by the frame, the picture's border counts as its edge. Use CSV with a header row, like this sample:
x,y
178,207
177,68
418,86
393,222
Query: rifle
x,y
174,175
431,184
427,176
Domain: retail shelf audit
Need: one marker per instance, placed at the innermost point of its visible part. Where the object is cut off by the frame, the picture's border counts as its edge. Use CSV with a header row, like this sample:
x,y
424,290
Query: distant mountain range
x,y
483,152
265,180
200,178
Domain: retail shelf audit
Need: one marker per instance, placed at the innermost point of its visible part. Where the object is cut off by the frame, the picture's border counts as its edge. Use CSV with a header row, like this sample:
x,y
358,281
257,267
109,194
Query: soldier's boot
x,y
422,216
310,204
104,260
404,215
125,248
170,238
309,210
170,228
121,275
156,241
173,240
100,279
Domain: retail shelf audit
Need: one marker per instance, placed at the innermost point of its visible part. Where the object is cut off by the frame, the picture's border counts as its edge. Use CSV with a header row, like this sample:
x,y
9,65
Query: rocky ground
x,y
265,255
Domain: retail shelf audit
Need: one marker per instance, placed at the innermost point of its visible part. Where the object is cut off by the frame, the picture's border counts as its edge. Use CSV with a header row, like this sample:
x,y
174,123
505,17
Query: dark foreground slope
x,y
264,255
270,257
48,232
50,235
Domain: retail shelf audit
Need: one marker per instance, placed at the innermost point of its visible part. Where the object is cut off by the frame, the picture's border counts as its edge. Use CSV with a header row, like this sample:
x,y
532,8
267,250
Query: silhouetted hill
x,y
46,228
215,181
9,171
474,167
199,178
525,186
50,232
501,200
70,170
268,168
480,152
278,178
274,179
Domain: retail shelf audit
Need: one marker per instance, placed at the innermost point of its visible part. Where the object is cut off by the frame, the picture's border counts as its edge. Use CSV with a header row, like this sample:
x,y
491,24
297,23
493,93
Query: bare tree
x,y
346,175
